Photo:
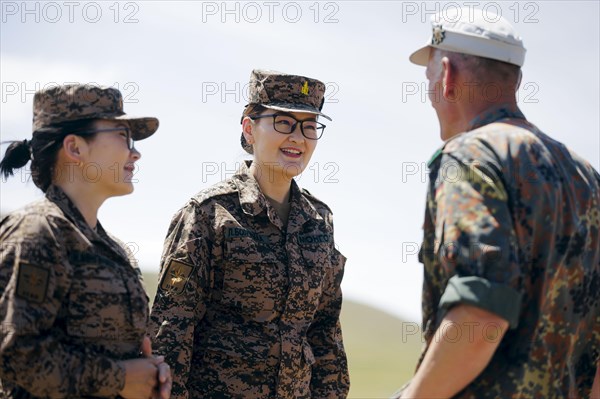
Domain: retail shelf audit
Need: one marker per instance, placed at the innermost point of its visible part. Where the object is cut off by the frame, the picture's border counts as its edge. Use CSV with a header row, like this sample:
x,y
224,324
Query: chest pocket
x,y
316,261
100,304
253,279
316,257
316,249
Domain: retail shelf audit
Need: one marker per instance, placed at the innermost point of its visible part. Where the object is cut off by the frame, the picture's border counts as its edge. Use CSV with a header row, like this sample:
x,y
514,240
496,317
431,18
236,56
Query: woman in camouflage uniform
x,y
249,297
72,306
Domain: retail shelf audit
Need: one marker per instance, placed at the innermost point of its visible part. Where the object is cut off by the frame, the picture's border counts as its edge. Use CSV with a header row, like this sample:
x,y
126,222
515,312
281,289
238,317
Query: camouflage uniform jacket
x,y
245,307
71,304
512,226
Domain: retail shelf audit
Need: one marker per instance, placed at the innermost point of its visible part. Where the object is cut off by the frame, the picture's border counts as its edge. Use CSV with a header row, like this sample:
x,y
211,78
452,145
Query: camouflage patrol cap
x,y
68,103
284,92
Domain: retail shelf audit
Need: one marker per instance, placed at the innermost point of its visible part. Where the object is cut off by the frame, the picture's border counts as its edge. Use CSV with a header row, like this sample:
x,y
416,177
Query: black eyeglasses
x,y
130,144
286,124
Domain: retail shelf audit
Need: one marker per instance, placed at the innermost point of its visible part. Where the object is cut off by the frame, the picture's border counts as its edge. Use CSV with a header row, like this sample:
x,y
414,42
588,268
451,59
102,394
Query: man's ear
x,y
247,129
448,79
73,147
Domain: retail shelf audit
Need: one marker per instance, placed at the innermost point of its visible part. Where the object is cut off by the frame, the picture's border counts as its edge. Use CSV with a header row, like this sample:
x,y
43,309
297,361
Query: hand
x,y
164,371
140,378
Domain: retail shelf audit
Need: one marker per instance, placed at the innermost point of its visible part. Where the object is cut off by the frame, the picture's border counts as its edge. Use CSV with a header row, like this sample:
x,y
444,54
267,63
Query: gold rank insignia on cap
x,y
305,88
176,277
438,35
32,283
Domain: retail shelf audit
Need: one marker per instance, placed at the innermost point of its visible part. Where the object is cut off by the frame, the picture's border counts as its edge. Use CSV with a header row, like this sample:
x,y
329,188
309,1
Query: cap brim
x,y
421,56
141,127
289,107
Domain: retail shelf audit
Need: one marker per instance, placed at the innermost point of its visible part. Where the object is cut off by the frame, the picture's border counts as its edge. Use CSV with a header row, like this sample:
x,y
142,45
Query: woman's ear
x,y
247,130
73,148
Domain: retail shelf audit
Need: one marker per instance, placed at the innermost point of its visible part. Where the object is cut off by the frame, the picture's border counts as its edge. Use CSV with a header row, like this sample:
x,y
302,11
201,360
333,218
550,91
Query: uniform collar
x,y
302,210
440,150
98,235
490,116
253,201
494,115
60,198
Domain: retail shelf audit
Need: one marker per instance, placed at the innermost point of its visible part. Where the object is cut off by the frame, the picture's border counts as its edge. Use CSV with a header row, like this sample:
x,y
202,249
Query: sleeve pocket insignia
x,y
176,277
32,283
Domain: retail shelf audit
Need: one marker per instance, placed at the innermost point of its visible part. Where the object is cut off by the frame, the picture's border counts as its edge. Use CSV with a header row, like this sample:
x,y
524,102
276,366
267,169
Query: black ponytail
x,y
42,149
17,155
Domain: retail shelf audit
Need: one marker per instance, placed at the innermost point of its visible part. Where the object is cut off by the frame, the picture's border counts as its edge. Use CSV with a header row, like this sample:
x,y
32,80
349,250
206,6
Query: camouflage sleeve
x,y
180,299
476,239
34,279
330,378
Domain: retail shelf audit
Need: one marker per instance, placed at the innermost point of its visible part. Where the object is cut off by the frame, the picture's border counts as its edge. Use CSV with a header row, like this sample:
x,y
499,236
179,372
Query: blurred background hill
x,y
382,349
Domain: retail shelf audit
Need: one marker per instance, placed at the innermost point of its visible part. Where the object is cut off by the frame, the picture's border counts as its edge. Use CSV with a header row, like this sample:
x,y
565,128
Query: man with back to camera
x,y
511,247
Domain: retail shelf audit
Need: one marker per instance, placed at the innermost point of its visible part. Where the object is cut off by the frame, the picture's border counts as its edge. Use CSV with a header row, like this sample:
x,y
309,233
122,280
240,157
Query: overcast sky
x,y
188,64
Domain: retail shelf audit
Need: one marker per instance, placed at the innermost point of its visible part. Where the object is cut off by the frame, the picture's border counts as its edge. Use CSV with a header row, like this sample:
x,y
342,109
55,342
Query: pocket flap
x,y
246,250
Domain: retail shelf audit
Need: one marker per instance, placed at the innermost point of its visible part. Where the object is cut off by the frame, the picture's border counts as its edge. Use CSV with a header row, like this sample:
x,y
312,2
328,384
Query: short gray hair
x,y
483,69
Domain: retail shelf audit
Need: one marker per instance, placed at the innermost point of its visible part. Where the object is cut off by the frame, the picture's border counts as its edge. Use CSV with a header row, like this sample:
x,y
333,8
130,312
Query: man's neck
x,y
474,116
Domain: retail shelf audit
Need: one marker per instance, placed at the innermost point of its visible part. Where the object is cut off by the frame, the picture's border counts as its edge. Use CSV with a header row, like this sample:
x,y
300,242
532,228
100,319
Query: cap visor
x,y
141,127
421,56
288,107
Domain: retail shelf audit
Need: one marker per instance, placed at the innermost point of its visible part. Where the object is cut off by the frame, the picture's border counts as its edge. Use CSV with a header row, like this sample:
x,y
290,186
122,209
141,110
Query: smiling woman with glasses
x,y
73,309
249,297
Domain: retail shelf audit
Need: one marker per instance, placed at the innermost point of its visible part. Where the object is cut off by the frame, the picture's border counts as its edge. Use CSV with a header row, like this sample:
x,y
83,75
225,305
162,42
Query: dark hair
x,y
42,150
251,109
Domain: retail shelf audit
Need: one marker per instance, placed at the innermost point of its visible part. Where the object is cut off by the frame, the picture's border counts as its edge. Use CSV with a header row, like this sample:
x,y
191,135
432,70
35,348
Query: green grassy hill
x,y
382,349
379,361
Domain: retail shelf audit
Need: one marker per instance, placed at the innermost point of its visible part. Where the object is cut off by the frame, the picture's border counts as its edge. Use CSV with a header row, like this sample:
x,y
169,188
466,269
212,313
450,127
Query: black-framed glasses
x,y
286,124
130,143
